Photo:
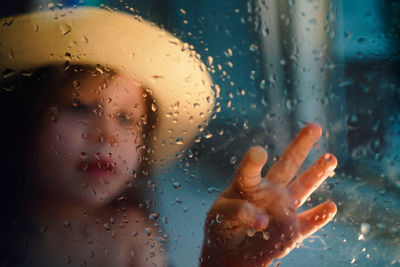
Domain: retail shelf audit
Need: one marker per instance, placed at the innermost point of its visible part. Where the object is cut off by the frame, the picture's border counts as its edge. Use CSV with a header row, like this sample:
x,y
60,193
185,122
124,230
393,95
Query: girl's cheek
x,y
58,141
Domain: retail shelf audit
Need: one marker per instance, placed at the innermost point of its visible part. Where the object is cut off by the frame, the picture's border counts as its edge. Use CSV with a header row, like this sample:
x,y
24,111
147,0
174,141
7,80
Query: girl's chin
x,y
88,190
100,195
94,201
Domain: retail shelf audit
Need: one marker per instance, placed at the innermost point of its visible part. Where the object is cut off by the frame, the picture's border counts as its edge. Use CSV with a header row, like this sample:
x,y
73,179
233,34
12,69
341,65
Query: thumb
x,y
248,175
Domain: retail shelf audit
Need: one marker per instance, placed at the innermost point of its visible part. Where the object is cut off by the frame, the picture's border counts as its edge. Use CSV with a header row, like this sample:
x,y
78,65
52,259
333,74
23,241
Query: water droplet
x,y
107,226
219,218
176,185
365,228
288,105
85,39
154,216
208,135
67,56
210,60
212,189
134,233
8,73
347,35
84,155
253,47
233,160
265,31
51,6
182,11
147,231
179,141
190,153
161,240
185,46
84,166
8,88
250,231
8,21
65,29
75,102
11,54
266,235
361,40
76,84
26,73
154,107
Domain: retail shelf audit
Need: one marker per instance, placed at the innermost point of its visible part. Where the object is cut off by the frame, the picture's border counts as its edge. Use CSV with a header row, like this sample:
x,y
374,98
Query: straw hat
x,y
177,79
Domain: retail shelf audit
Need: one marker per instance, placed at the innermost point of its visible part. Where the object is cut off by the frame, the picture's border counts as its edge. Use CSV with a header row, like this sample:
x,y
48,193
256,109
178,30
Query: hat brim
x,y
176,77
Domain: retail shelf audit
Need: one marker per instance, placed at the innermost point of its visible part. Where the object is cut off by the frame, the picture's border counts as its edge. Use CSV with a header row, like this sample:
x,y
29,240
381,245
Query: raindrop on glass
x,y
65,29
153,107
176,185
266,235
148,231
250,231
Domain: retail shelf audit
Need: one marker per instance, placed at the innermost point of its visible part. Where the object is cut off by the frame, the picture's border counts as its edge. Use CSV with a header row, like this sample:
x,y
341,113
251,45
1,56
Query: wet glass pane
x,y
124,125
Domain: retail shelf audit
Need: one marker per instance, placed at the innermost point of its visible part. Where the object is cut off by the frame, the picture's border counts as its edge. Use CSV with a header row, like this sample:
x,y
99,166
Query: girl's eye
x,y
125,118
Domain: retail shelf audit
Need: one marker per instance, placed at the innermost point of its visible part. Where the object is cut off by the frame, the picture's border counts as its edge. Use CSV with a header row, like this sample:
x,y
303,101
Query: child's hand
x,y
254,220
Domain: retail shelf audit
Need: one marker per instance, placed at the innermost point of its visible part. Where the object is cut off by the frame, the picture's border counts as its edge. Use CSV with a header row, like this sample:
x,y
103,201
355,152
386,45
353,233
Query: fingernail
x,y
261,221
316,127
327,157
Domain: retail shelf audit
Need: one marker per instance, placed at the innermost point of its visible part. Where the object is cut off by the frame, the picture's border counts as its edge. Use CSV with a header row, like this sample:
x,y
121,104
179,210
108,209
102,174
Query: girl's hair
x,y
19,95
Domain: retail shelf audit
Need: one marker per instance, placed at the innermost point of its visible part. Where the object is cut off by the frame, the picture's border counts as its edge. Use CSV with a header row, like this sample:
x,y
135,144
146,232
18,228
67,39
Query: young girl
x,y
113,97
82,146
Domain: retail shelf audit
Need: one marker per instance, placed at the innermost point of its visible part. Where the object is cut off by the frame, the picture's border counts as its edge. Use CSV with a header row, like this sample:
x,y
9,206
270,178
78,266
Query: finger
x,y
285,169
248,175
301,188
314,219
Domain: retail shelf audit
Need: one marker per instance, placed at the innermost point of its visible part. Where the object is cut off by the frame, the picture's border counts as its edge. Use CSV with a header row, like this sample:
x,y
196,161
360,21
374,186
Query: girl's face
x,y
87,147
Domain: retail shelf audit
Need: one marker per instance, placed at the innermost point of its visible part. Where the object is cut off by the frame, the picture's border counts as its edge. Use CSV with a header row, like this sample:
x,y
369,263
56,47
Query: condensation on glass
x,y
273,67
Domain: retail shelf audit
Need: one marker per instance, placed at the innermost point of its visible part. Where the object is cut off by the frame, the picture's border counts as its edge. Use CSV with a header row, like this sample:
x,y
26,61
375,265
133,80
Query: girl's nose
x,y
103,137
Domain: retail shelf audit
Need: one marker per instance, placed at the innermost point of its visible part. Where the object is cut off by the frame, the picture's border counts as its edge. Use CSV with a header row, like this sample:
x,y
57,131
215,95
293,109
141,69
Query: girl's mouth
x,y
98,168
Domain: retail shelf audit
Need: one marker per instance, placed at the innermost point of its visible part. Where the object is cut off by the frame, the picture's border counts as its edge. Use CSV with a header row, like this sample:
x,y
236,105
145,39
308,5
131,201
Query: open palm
x,y
254,220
